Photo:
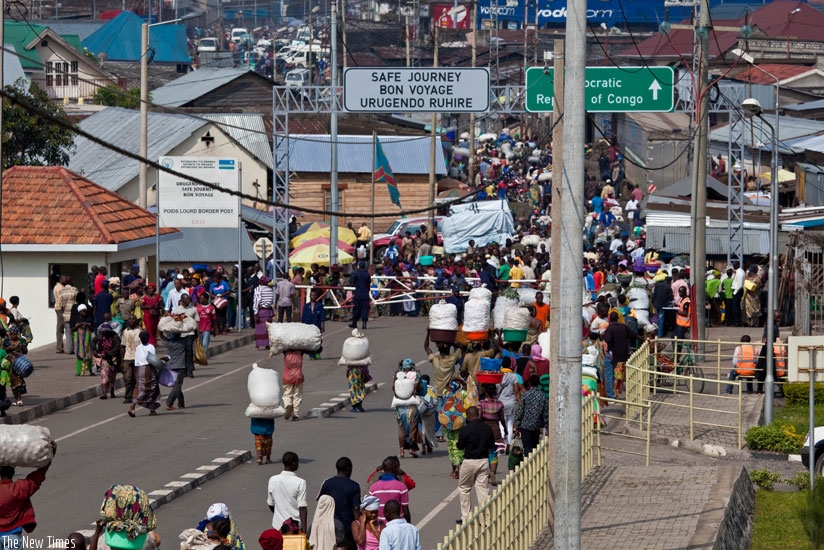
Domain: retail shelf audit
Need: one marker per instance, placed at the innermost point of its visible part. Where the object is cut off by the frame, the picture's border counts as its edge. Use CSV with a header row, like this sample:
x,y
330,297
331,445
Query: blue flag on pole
x,y
383,173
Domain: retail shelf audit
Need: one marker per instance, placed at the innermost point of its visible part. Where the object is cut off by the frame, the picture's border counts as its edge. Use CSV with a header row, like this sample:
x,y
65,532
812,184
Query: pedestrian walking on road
x,y
346,494
16,510
147,390
367,528
263,429
128,344
362,282
292,383
285,291
390,487
323,535
399,534
206,315
262,303
477,441
532,416
407,415
152,305
314,314
176,347
452,417
286,495
492,414
81,325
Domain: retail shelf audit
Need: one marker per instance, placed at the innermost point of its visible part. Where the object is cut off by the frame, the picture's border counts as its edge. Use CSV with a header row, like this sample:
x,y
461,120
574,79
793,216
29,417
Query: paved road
x,y
100,445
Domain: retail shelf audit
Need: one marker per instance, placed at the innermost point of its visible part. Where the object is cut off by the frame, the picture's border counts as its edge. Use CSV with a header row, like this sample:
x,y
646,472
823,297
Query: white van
x,y
301,57
207,45
239,34
297,78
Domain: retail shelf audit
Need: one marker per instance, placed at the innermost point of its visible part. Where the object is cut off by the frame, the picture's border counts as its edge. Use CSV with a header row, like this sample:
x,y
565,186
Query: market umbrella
x,y
314,226
344,234
348,248
784,176
317,254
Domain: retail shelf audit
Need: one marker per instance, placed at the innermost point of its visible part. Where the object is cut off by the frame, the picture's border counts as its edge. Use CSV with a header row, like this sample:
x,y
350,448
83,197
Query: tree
x,y
28,137
113,96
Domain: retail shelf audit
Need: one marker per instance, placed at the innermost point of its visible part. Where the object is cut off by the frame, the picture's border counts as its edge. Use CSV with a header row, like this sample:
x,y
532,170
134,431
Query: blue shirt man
x,y
392,253
597,204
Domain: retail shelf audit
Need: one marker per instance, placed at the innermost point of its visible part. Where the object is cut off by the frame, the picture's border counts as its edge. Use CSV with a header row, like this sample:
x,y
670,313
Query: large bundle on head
x,y
476,315
506,150
531,240
284,336
527,294
443,316
405,384
543,341
501,305
168,324
356,352
25,446
481,293
639,301
264,388
517,318
128,517
545,176
489,136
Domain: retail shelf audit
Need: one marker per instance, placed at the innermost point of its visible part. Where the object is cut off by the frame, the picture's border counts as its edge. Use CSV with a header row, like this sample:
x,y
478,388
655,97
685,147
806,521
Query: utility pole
x,y
432,154
555,287
470,167
333,126
142,187
698,210
568,428
408,48
343,31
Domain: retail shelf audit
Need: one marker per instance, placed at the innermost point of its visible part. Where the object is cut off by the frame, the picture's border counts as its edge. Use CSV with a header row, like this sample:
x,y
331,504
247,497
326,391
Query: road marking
x,y
437,509
122,415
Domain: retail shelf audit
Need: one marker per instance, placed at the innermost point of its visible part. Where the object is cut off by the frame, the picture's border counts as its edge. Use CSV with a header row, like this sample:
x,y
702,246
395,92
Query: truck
x,y
380,241
484,222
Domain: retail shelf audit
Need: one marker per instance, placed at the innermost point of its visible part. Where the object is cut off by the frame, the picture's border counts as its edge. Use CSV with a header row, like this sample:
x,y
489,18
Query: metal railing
x,y
69,87
639,423
516,513
646,377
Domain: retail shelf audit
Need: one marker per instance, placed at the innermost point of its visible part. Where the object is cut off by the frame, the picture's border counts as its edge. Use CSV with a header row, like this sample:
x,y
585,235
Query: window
x,y
62,73
327,200
49,73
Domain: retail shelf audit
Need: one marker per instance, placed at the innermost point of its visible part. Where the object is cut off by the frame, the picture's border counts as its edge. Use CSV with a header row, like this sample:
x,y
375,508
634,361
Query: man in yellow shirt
x,y
364,234
516,273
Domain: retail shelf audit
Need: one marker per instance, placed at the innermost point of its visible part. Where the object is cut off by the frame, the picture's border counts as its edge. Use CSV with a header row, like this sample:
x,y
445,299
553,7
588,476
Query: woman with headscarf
x,y
146,391
5,380
262,306
452,416
407,415
271,539
322,536
538,364
509,393
367,528
428,414
81,324
220,288
126,518
152,306
217,512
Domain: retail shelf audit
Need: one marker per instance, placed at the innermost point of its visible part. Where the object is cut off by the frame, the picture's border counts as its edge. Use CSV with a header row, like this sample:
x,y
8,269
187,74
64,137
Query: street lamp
x,y
789,20
142,190
753,108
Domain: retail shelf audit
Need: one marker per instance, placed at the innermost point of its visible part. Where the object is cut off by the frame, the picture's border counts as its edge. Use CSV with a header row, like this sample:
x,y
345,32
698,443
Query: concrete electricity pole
x,y
433,144
568,428
698,211
555,261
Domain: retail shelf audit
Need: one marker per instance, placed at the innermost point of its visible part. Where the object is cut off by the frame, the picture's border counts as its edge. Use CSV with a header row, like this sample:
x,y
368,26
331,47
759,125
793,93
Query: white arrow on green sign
x,y
608,89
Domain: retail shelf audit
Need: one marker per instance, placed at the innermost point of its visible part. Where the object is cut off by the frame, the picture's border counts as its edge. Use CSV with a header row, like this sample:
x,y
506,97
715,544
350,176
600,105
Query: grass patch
x,y
776,523
798,416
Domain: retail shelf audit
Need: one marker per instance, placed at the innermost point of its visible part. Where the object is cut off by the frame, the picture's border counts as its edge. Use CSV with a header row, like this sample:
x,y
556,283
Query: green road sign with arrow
x,y
608,89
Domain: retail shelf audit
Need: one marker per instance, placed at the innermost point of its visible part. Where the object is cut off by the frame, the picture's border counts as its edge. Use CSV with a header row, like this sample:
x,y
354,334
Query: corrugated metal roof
x,y
121,127
82,29
250,132
406,154
806,106
194,85
676,240
755,131
208,245
812,143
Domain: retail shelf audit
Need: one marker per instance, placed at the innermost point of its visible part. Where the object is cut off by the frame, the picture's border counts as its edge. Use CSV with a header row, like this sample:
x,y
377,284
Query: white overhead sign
x,y
412,90
184,203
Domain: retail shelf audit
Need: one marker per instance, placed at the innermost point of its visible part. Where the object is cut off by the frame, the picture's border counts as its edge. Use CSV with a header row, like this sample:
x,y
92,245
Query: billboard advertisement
x,y
184,203
611,12
442,18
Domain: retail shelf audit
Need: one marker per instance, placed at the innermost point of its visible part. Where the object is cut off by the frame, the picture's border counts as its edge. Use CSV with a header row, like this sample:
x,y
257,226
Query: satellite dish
x,y
746,31
102,56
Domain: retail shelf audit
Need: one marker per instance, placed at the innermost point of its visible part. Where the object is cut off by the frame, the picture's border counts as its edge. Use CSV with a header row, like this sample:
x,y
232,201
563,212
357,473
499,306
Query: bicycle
x,y
686,367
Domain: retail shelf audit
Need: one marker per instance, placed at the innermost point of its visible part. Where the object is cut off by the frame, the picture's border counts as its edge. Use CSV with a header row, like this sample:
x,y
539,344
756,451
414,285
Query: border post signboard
x,y
184,203
608,89
416,90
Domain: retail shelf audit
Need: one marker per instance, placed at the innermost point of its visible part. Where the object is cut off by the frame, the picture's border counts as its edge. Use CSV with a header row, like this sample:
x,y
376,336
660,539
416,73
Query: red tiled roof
x,y
51,205
679,43
775,21
781,71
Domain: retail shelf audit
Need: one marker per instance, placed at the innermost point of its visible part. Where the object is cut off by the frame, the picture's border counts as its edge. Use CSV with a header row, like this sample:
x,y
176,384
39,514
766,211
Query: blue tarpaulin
x,y
120,40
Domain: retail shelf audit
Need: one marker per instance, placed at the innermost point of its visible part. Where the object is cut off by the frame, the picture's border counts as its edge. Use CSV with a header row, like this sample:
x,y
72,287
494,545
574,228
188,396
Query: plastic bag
x,y
25,446
264,387
284,336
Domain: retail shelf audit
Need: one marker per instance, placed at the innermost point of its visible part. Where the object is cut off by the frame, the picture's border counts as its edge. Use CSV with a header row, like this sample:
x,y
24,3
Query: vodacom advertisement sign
x,y
441,17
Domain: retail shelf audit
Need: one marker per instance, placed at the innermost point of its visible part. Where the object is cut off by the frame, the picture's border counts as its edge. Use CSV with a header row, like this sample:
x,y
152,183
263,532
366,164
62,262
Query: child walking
x,y
262,429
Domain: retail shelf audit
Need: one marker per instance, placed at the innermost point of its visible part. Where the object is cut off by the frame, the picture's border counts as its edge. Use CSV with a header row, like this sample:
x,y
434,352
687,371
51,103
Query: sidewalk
x,y
629,507
53,386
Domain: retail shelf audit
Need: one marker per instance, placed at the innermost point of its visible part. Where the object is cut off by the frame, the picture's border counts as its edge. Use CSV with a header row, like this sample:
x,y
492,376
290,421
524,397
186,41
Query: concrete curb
x,y
692,446
92,392
338,403
188,482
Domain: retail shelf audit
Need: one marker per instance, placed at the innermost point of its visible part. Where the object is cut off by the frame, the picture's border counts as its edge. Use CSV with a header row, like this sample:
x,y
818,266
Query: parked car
x,y
297,77
208,44
239,34
380,241
818,451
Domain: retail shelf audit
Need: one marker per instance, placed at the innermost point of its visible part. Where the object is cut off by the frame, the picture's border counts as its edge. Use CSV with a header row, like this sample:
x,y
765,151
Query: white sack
x,y
355,348
397,402
638,298
344,362
254,411
531,240
643,317
481,293
25,446
527,295
543,341
517,318
264,387
404,387
284,336
501,305
168,324
476,316
443,316
592,372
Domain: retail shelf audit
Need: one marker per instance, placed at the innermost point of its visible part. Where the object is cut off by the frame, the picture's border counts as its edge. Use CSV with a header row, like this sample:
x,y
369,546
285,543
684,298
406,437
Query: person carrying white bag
x,y
15,501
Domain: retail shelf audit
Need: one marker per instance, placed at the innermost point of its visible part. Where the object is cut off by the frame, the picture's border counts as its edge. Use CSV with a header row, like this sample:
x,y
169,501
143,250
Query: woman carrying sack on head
x,y
262,306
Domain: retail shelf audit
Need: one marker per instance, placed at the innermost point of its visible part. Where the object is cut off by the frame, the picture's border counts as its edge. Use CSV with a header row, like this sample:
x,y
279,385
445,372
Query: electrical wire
x,y
627,158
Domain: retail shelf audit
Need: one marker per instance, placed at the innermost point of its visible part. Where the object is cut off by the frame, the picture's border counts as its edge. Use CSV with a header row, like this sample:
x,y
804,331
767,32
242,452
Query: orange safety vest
x,y
780,359
682,316
746,360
